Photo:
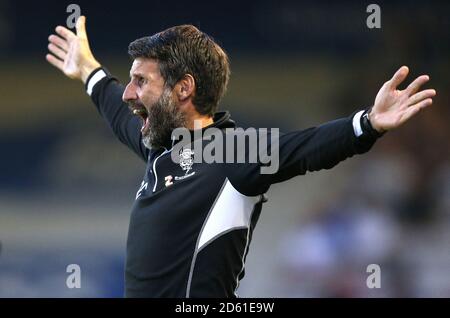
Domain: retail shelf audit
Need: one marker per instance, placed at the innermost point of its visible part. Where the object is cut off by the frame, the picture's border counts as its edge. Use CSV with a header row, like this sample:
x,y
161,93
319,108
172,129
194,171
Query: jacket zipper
x,y
154,167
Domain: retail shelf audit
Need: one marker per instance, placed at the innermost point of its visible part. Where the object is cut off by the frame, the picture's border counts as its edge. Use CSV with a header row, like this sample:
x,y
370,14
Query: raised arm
x,y
71,54
325,146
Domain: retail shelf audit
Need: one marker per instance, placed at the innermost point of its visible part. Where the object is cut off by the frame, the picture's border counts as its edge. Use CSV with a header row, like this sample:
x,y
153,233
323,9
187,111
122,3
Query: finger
x,y
81,27
64,32
56,40
57,51
413,110
55,61
416,98
399,77
415,85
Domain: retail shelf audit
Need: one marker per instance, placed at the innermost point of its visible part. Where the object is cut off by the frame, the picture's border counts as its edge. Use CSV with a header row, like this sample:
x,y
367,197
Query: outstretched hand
x,y
393,107
71,53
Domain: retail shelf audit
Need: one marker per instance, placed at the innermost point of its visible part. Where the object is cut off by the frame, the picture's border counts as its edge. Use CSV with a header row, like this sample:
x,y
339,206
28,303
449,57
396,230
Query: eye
x,y
140,81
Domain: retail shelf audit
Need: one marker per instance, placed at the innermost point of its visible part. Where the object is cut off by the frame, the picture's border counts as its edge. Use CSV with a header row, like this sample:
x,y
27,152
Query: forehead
x,y
144,67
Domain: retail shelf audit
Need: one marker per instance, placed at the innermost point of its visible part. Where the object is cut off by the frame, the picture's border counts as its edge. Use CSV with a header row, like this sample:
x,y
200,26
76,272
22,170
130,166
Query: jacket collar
x,y
221,120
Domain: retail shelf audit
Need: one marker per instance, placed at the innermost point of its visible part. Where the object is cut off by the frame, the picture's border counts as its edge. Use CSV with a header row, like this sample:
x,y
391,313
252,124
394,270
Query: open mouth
x,y
141,111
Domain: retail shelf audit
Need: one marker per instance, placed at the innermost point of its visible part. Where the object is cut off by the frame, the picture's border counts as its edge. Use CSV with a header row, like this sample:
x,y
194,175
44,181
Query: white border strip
x,y
357,123
94,80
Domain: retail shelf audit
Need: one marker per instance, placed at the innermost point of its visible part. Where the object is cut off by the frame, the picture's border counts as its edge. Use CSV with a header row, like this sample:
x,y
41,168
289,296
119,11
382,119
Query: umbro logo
x,y
143,187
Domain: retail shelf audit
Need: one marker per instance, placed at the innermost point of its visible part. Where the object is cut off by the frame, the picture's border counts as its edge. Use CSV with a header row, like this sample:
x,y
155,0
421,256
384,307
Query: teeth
x,y
139,112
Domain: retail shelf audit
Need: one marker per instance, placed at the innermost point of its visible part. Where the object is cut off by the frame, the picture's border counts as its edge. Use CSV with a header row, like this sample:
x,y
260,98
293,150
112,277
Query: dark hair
x,y
184,49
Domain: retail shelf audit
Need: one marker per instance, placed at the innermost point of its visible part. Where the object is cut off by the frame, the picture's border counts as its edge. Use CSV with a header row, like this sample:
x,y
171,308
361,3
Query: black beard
x,y
164,116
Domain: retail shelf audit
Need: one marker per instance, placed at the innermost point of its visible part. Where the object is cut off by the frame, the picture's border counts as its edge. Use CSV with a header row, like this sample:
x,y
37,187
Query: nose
x,y
130,93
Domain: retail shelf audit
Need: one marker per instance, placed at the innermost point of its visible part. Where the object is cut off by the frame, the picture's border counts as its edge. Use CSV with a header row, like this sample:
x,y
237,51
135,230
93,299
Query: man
x,y
192,223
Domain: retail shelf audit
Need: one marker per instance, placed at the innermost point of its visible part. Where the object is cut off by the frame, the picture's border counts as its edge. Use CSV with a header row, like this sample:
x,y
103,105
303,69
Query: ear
x,y
185,87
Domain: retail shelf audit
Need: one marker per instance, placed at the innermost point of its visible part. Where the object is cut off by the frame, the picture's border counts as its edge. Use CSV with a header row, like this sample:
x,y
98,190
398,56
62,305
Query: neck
x,y
203,120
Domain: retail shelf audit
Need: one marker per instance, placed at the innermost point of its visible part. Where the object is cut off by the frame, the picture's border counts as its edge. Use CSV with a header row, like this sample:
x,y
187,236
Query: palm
x,y
72,60
71,53
393,107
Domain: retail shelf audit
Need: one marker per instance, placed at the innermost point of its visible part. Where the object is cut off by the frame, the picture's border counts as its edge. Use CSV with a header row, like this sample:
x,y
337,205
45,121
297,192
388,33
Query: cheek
x,y
148,98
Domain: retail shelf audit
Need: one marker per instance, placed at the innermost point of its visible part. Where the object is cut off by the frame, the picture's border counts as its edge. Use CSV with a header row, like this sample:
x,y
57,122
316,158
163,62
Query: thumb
x,y
81,27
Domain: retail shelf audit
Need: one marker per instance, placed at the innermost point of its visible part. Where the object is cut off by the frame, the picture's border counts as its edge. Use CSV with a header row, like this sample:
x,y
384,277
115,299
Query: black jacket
x,y
190,231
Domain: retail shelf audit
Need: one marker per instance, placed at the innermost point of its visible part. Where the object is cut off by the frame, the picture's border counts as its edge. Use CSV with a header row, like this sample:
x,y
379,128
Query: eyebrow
x,y
137,74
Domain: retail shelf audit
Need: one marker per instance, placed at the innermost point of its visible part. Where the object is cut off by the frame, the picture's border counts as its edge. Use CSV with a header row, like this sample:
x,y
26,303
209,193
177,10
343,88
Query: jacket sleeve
x,y
312,149
106,93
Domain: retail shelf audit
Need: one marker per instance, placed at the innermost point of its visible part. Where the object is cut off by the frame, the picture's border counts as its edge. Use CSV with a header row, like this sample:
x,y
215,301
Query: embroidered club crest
x,y
186,159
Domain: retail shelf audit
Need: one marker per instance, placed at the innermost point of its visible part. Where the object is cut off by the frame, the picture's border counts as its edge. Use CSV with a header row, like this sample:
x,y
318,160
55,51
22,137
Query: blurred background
x,y
67,186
